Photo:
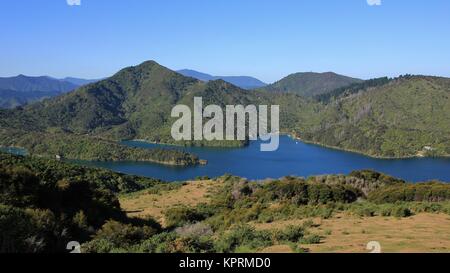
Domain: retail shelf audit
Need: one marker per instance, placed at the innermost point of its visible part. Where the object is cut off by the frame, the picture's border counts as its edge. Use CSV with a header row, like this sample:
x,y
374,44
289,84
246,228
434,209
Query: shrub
x,y
160,243
194,244
401,212
365,212
243,236
427,192
300,192
290,234
266,216
180,216
16,228
122,235
19,187
98,246
30,230
194,230
311,239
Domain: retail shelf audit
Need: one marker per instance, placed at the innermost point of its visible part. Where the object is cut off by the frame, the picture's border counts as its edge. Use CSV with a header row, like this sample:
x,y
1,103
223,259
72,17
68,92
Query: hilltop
x,y
79,81
309,84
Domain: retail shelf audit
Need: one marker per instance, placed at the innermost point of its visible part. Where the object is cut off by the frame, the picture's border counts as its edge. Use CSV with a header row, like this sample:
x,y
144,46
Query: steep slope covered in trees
x,y
408,116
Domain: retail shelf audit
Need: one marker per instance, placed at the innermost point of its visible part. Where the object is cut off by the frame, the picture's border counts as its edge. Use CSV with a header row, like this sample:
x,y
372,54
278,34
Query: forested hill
x,y
310,84
134,103
407,116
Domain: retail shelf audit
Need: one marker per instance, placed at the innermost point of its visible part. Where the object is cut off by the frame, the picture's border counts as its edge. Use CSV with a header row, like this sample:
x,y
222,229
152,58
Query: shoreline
x,y
181,146
201,162
293,137
360,152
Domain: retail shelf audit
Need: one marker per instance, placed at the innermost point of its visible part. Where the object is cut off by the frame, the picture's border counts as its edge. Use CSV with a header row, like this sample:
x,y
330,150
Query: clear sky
x,y
261,38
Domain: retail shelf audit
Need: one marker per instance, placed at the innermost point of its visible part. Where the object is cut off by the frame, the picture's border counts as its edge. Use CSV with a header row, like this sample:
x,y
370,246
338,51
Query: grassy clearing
x,y
291,227
147,203
344,233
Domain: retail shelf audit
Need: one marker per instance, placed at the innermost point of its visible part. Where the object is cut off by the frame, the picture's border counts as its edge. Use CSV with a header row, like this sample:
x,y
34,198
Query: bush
x,y
243,236
19,187
16,228
194,230
290,234
421,192
30,230
123,235
311,239
300,192
180,216
160,243
195,244
365,212
98,246
401,212
266,216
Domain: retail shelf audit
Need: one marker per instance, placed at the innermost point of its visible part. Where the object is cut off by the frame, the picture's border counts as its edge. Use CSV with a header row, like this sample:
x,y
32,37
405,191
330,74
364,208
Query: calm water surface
x,y
292,158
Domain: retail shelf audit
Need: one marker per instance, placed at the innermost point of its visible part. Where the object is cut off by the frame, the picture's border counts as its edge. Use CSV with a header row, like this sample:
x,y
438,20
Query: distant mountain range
x,y
24,83
78,81
21,90
244,82
310,84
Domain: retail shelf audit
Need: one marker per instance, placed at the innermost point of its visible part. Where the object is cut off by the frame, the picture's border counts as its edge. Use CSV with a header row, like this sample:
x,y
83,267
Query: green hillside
x,y
409,116
403,117
310,84
70,146
134,103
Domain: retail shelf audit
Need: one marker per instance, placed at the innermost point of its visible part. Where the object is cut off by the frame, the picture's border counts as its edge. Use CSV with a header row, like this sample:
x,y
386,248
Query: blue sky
x,y
265,39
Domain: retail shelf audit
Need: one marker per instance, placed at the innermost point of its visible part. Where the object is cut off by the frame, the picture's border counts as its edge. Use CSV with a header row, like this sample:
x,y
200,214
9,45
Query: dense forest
x,y
70,146
409,116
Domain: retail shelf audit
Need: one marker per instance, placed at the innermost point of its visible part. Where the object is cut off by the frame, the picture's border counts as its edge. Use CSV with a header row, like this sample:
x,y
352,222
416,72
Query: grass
x,y
344,231
423,232
147,203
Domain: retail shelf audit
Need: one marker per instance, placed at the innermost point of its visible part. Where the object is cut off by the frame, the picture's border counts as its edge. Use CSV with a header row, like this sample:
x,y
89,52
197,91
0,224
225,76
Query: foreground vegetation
x,y
46,203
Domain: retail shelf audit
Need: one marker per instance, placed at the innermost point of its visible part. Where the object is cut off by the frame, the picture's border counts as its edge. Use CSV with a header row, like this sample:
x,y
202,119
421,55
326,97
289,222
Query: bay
x,y
292,158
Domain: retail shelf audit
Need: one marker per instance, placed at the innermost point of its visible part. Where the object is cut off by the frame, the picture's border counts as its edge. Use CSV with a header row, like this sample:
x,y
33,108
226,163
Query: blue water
x,y
13,150
292,158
